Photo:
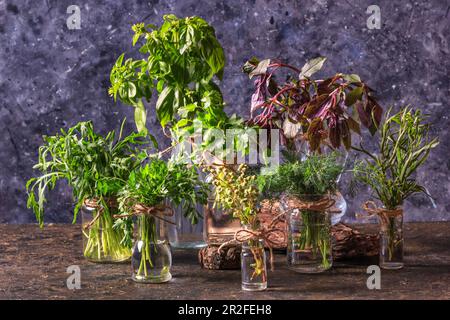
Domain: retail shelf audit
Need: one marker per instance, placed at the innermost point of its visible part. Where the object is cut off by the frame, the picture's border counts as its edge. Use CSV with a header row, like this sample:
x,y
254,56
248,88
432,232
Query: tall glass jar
x,y
183,234
101,242
391,240
253,265
309,247
220,226
152,259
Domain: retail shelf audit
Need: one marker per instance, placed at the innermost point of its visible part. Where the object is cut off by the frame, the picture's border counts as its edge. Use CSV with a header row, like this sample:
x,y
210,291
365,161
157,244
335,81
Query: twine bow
x,y
384,214
158,211
97,205
263,233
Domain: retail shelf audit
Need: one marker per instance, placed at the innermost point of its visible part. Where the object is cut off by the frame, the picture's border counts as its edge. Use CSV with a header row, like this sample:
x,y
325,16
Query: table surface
x,y
33,265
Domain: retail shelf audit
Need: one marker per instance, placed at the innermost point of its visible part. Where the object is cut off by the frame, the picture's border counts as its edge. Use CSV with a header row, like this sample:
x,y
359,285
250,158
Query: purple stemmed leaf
x,y
260,94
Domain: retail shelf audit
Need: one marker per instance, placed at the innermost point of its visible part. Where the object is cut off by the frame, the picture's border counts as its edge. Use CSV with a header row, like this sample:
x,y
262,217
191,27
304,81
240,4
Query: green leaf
x,y
136,38
351,78
120,60
353,96
160,86
131,90
140,117
311,67
165,106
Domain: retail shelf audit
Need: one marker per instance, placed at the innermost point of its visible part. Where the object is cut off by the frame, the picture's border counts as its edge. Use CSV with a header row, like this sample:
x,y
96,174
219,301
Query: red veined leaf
x,y
363,117
353,125
260,69
313,134
376,112
326,86
335,134
314,105
345,134
370,114
290,128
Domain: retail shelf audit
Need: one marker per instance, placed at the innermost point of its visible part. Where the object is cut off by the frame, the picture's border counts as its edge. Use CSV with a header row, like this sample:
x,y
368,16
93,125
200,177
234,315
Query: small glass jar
x,y
253,265
391,241
102,242
309,247
152,259
220,226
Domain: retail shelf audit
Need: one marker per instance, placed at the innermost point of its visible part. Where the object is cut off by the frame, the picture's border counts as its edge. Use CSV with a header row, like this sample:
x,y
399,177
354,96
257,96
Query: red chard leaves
x,y
320,108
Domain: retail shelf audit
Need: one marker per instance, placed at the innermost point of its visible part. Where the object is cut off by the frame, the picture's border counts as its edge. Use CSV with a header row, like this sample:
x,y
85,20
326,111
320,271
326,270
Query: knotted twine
x,y
321,205
384,214
264,233
158,211
99,207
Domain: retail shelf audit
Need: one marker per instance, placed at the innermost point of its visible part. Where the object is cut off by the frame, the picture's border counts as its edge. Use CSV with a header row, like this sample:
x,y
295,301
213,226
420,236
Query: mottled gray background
x,y
52,77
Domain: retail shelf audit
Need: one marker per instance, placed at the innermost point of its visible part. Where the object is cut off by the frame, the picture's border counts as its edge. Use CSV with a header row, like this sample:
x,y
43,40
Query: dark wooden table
x,y
33,265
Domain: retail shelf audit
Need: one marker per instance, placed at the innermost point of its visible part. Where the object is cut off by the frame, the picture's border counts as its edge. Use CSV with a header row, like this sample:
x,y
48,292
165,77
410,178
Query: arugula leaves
x,y
93,165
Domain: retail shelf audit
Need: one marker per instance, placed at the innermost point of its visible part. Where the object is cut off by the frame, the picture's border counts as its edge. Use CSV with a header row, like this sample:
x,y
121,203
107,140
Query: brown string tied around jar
x,y
263,233
99,207
320,205
384,214
158,211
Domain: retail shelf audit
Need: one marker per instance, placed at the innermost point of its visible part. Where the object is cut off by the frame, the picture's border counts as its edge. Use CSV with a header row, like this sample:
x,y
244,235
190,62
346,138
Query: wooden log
x,y
348,243
352,244
228,258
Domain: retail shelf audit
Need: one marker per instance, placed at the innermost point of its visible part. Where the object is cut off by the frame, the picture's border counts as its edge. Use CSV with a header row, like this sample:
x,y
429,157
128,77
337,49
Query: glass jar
x,y
183,234
102,242
340,207
253,265
391,240
309,247
152,259
220,226
341,159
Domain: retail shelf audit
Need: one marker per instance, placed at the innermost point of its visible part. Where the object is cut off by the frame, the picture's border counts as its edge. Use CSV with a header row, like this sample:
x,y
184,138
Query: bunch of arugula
x,y
95,167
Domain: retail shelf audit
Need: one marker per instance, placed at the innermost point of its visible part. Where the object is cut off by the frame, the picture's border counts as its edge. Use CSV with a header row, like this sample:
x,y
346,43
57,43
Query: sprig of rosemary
x,y
404,146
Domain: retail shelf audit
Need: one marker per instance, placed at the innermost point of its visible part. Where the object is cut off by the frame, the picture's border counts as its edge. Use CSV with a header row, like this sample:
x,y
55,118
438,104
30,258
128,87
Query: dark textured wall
x,y
52,77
